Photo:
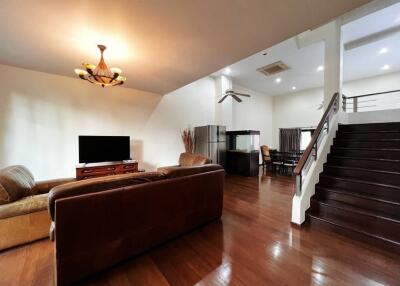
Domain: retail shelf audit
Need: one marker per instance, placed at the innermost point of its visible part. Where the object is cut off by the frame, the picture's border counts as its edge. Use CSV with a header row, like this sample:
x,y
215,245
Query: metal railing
x,y
311,153
372,101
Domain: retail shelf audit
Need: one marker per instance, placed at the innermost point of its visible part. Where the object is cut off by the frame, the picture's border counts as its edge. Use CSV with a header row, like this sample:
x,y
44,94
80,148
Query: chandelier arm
x,y
99,79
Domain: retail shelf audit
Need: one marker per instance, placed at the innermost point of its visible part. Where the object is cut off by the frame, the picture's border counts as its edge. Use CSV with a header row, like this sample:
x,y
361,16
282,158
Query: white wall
x,y
375,84
41,116
299,109
254,113
191,105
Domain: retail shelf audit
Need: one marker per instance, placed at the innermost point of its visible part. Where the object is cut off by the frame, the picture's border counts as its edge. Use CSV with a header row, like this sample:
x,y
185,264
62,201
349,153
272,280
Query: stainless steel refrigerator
x,y
210,141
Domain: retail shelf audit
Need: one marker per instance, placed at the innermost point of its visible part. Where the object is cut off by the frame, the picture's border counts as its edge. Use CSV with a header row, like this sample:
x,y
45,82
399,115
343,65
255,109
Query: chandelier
x,y
101,74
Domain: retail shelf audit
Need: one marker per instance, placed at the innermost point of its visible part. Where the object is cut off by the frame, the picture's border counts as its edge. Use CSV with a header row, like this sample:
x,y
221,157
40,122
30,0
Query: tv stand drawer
x,y
96,170
105,169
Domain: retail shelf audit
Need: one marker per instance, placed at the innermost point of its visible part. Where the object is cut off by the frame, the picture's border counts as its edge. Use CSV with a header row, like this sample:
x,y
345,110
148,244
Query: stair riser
x,y
374,225
379,243
377,154
392,126
371,205
380,192
371,136
382,178
366,144
367,164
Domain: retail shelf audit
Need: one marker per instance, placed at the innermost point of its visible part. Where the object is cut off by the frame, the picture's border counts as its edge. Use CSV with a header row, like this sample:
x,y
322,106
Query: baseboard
x,y
298,226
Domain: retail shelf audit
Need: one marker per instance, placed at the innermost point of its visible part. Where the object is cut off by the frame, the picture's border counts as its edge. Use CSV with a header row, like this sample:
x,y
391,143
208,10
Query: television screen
x,y
94,149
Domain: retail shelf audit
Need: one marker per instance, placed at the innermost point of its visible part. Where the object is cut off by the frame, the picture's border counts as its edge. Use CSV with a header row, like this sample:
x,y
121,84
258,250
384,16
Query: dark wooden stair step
x,y
363,201
357,219
358,193
348,230
367,143
378,190
378,153
384,177
368,135
367,163
387,126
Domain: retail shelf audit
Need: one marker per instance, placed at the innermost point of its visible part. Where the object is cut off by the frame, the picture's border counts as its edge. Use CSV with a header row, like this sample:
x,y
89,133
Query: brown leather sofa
x,y
100,222
23,206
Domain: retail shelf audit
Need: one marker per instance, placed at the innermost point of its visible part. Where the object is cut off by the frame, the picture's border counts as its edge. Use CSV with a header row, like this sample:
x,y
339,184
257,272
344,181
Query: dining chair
x,y
277,161
266,157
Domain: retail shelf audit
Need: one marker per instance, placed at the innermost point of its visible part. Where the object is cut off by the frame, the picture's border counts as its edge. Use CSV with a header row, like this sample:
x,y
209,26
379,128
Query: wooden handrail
x,y
370,94
317,132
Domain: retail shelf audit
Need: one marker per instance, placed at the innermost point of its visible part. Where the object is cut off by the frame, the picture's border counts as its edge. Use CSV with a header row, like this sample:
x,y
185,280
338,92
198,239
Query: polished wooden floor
x,y
253,244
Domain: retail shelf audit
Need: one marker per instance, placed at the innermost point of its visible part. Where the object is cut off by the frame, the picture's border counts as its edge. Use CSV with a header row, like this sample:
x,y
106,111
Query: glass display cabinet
x,y
242,155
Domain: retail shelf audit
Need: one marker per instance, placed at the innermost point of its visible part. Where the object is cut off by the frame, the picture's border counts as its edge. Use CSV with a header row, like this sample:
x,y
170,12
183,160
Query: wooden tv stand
x,y
93,170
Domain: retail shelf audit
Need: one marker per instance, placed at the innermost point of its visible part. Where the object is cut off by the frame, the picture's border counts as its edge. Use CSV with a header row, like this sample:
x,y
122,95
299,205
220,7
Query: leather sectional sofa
x,y
100,222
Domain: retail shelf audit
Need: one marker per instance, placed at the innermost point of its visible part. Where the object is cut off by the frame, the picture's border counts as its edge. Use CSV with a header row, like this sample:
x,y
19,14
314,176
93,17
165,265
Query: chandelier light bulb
x,y
80,72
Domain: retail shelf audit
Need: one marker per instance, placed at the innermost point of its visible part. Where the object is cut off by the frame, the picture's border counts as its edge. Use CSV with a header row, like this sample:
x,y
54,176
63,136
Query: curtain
x,y
289,139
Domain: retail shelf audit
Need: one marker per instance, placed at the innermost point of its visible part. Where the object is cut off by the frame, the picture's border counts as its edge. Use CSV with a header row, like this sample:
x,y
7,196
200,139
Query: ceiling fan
x,y
235,95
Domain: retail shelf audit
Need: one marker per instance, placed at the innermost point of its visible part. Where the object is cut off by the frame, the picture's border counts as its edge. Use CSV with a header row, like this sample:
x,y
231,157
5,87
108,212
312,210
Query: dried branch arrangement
x,y
187,135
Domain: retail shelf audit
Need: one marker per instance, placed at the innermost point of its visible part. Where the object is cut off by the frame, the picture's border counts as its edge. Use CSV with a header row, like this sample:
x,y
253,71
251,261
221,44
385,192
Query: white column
x,y
330,34
333,61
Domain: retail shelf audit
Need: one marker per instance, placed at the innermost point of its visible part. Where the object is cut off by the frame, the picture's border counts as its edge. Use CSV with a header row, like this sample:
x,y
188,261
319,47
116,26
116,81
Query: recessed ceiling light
x,y
320,68
278,80
383,51
385,67
294,88
227,71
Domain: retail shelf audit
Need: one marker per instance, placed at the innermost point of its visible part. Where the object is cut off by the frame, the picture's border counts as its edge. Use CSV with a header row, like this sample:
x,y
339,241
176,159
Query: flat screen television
x,y
95,149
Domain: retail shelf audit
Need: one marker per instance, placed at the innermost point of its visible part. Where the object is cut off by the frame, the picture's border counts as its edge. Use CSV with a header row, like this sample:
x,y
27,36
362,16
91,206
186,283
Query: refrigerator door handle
x,y
217,154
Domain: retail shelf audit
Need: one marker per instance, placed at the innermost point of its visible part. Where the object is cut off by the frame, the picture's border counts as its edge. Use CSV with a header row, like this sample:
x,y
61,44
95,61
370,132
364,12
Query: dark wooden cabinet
x,y
94,170
243,163
243,156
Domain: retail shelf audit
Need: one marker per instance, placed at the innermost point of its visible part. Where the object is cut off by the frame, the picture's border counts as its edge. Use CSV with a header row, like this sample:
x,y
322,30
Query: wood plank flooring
x,y
253,244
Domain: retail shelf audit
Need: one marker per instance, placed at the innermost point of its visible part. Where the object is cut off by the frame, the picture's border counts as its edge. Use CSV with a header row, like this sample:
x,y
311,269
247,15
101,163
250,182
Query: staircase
x,y
358,193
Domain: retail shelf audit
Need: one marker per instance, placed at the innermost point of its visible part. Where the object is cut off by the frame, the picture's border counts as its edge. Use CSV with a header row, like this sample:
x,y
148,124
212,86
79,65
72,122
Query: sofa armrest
x,y
42,187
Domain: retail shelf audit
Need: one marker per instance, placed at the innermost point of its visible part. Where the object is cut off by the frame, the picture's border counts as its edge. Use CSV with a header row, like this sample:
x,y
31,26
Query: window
x,y
305,138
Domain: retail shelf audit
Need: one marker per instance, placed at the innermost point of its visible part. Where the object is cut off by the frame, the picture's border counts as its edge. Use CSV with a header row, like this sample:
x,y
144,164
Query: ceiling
x,y
360,62
160,45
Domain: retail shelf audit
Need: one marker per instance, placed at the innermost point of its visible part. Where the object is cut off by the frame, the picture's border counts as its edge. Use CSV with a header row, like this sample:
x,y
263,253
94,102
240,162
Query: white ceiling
x,y
160,45
361,62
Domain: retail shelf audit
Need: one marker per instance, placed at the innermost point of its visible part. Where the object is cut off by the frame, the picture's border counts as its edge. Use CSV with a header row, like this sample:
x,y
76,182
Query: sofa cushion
x,y
24,206
16,182
22,229
100,184
189,159
176,172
